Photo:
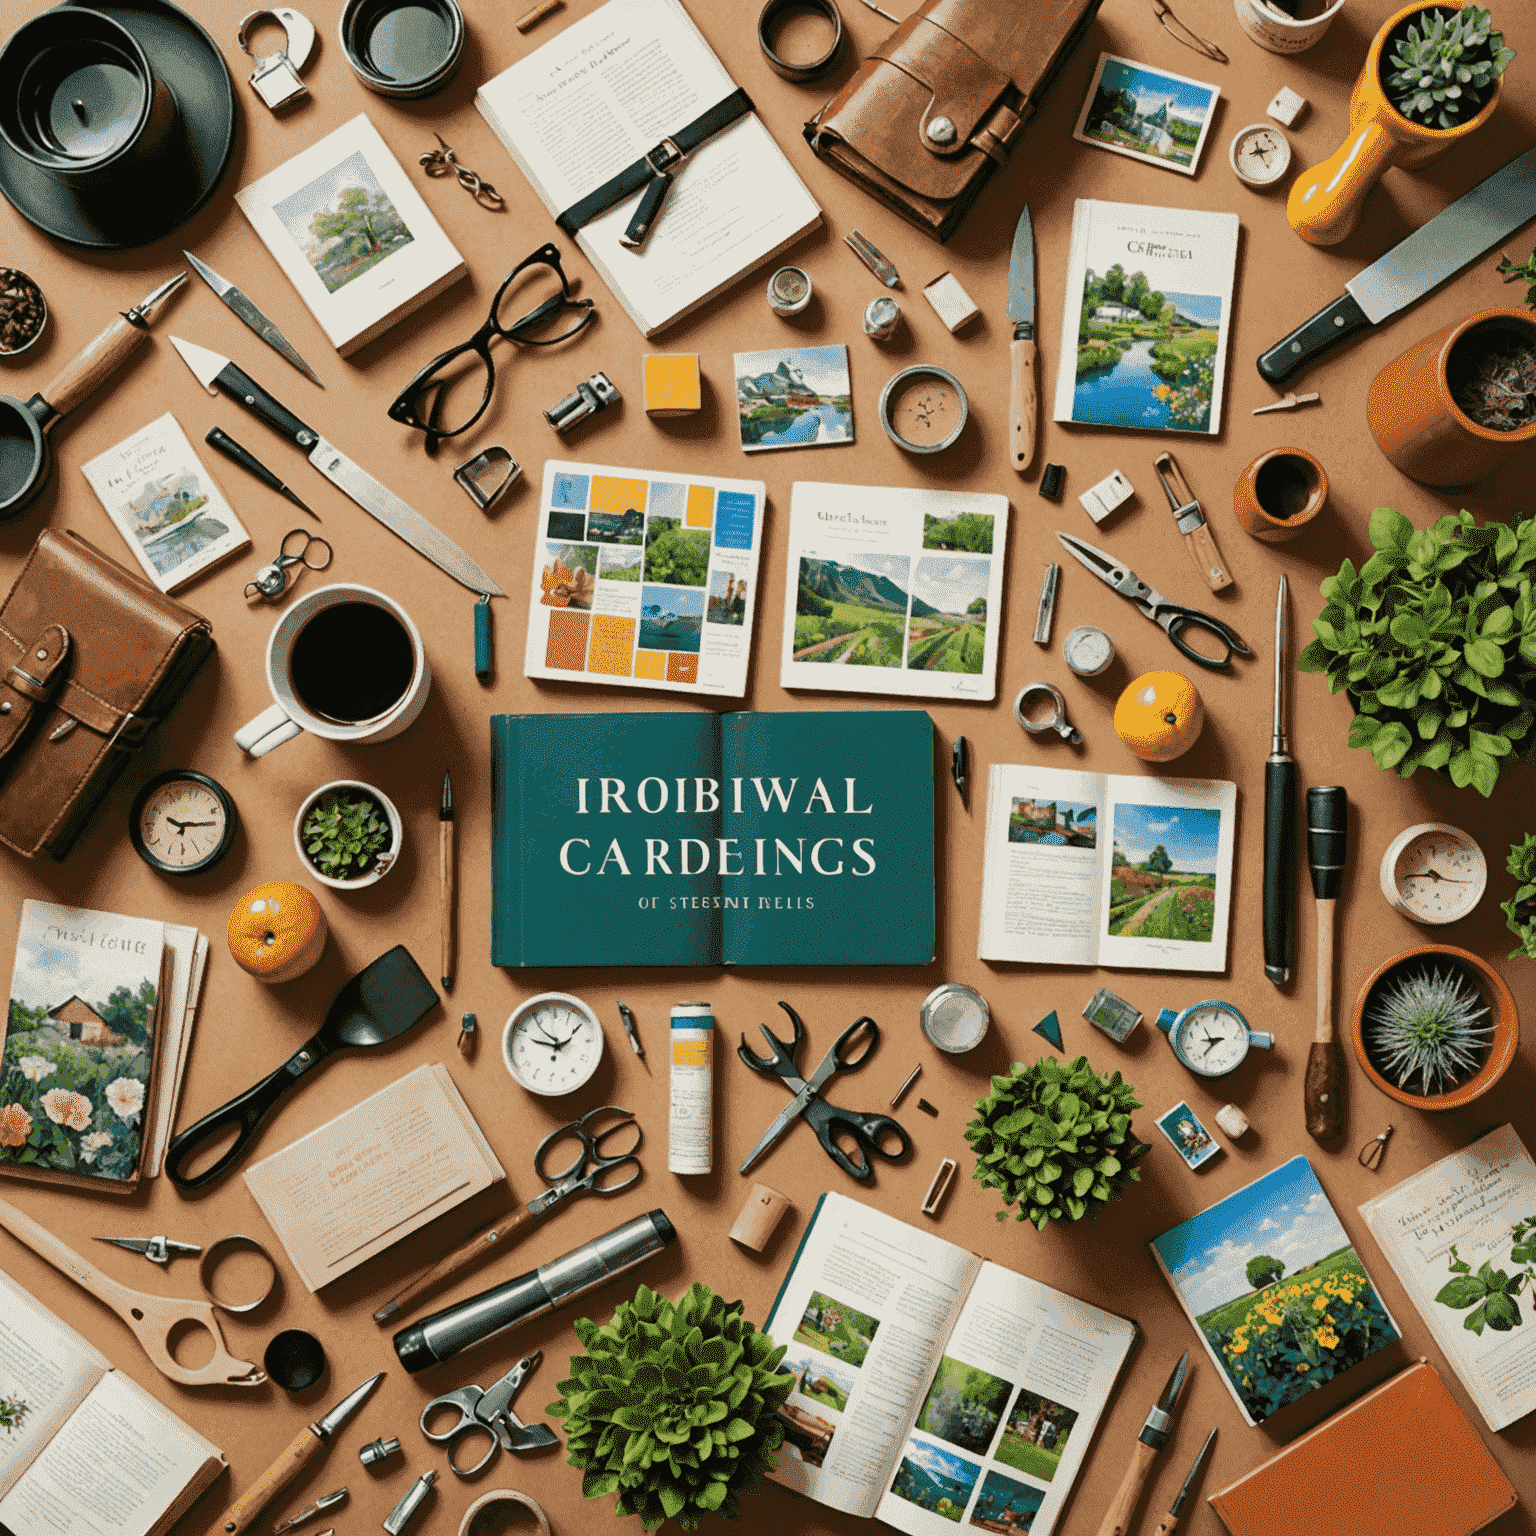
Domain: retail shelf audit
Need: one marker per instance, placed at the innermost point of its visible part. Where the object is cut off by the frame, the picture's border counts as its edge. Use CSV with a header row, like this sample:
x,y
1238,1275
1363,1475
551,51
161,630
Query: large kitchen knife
x,y
1022,407
1490,212
377,500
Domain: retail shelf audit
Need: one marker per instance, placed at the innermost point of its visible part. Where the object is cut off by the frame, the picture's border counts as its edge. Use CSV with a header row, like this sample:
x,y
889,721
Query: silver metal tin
x,y
955,1018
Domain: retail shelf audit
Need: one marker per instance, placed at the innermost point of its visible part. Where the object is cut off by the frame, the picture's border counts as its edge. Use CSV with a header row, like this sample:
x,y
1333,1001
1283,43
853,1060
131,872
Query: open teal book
x,y
794,838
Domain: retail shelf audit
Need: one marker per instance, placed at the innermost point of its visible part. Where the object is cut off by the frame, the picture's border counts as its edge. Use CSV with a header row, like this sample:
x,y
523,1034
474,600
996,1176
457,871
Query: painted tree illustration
x,y
978,605
1114,283
1263,1270
1158,862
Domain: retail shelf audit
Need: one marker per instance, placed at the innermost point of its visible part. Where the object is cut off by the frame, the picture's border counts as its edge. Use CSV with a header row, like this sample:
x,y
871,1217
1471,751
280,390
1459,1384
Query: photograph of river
x,y
795,397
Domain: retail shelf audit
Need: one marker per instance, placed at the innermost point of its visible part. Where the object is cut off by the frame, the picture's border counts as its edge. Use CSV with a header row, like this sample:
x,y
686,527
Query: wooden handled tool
x,y
1170,1522
1023,409
1190,521
1153,1437
1327,846
469,1253
102,356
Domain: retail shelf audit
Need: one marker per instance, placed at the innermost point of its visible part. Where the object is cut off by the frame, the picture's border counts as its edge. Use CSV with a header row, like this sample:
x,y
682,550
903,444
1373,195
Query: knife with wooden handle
x,y
1190,521
1023,404
1153,1437
1327,845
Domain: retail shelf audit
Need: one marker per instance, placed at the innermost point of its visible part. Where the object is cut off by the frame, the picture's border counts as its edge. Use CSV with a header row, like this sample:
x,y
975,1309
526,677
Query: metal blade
x,y
220,285
1085,554
1490,212
382,503
1021,272
344,1410
269,333
205,364
132,1244
1175,1385
787,1117
1178,1503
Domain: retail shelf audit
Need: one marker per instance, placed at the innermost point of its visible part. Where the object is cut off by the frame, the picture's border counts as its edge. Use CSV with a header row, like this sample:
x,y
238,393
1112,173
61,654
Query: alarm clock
x,y
182,822
1433,873
552,1043
1211,1038
1260,155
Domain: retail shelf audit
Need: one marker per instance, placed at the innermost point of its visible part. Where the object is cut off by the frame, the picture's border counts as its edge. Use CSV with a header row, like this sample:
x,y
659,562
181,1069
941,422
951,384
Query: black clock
x,y
182,822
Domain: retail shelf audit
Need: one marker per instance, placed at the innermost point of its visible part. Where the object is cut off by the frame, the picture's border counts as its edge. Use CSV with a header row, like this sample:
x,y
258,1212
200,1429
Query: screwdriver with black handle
x,y
1327,848
1279,825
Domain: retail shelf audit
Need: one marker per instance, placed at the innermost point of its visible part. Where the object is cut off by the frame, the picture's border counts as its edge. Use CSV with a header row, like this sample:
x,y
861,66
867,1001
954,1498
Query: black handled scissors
x,y
871,1135
1172,618
594,1170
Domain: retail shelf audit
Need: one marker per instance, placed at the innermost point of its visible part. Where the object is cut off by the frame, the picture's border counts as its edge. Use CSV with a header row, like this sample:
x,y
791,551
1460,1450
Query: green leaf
x,y
1389,529
1462,1292
1485,657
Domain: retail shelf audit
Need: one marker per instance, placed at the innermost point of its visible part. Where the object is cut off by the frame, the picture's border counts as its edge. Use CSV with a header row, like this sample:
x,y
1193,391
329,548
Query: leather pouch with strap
x,y
933,112
91,656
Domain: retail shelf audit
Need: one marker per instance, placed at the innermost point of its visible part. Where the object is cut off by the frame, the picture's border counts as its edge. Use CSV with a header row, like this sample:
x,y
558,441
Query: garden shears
x,y
872,1135
488,1414
1172,618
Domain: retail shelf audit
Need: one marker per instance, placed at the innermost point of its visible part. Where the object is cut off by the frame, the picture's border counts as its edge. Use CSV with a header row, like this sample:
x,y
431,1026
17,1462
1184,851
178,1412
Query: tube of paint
x,y
691,1124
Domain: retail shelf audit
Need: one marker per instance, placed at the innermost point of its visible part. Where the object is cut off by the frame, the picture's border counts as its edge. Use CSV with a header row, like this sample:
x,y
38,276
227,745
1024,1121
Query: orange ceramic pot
x,y
1279,494
1502,1014
1325,202
1413,415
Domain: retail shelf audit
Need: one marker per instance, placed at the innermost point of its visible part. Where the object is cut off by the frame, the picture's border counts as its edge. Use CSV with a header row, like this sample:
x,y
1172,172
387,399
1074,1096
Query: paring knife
x,y
233,299
1414,267
1153,1437
1170,1521
375,499
1022,408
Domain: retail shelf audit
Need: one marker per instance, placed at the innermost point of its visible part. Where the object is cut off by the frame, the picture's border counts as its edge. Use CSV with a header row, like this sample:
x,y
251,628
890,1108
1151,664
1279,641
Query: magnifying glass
x,y
24,456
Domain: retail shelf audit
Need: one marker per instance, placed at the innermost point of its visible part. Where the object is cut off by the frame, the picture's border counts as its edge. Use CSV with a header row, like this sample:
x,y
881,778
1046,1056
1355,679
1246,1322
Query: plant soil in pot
x,y
1435,1027
349,834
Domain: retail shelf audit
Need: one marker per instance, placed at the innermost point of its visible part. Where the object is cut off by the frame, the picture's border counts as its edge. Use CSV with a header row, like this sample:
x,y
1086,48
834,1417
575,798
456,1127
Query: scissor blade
x,y
787,1117
132,1244
1101,564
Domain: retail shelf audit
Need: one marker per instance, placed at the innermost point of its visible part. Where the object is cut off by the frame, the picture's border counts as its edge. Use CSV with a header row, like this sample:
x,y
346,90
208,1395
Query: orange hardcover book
x,y
1402,1459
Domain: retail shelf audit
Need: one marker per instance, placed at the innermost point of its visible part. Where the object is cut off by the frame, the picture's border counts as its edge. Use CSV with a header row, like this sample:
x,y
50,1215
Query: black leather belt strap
x,y
654,172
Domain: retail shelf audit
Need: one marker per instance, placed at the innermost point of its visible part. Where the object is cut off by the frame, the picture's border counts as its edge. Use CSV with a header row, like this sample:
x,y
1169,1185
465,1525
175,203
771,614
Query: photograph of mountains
x,y
854,615
794,397
670,620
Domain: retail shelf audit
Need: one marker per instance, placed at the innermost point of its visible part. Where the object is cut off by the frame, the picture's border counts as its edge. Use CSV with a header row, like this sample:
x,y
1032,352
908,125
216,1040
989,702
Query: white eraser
x,y
1287,106
1232,1120
1102,499
951,303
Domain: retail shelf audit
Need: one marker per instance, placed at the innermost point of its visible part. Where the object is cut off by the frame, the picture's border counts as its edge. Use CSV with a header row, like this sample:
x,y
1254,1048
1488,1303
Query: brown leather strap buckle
x,y
30,682
130,732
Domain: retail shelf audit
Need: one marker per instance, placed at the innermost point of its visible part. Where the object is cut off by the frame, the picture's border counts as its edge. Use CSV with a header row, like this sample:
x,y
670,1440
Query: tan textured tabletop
x,y
245,1029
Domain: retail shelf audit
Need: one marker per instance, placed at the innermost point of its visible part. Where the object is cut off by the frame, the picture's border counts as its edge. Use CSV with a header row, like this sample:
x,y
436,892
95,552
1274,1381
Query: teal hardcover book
x,y
762,838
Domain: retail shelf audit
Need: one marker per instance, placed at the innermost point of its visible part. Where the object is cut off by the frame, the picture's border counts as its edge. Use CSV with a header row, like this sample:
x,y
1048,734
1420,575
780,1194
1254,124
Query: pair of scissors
x,y
595,1169
1173,618
872,1135
489,1414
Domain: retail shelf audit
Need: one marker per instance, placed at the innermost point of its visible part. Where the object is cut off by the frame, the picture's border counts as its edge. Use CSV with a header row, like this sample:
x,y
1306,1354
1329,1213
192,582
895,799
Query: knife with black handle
x,y
1279,826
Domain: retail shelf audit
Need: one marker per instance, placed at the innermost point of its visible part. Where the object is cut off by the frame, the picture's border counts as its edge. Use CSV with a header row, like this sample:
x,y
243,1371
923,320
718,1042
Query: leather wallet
x,y
936,109
1400,1461
91,658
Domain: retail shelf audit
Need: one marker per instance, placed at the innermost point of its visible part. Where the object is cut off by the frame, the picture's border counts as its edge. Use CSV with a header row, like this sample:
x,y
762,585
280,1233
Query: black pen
x,y
1279,826
448,874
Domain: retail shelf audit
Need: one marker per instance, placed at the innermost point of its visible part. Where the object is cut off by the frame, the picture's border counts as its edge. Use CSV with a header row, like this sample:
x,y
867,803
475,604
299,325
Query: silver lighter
x,y
593,395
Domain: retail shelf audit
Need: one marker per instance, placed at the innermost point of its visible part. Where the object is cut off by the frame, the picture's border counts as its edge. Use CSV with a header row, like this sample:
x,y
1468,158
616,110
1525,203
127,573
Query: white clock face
x,y
552,1043
182,823
1439,876
1261,155
1212,1040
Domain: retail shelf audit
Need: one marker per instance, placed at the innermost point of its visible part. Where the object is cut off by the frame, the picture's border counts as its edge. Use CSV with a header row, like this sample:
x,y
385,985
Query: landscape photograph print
x,y
344,222
951,636
671,619
1005,1505
819,1380
934,1479
676,554
1181,1125
1148,114
1053,823
970,532
836,1329
1035,1436
1163,873
794,397
853,612
619,563
964,1405
1276,1287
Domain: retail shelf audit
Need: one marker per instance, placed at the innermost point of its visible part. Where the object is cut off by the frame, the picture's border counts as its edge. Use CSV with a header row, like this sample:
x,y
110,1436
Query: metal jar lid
x,y
955,1017
789,290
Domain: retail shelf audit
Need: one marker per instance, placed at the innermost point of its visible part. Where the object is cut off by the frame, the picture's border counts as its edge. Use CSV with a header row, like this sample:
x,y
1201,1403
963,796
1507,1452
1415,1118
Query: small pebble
x,y
927,1108
22,310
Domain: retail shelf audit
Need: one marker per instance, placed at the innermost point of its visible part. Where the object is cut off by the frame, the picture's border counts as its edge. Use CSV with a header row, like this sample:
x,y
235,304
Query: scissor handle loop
x,y
783,1054
1175,620
589,1147
855,1044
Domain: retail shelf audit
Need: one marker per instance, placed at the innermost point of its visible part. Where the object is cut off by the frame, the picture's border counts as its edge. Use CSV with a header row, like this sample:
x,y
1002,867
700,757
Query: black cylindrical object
x,y
467,1323
1327,839
1280,867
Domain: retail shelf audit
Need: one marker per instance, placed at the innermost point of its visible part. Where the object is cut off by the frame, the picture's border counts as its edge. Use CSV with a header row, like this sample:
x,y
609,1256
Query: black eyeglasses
x,y
441,394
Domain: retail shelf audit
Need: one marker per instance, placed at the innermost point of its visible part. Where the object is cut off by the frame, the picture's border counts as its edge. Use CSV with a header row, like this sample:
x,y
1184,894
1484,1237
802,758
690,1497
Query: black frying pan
x,y
382,1001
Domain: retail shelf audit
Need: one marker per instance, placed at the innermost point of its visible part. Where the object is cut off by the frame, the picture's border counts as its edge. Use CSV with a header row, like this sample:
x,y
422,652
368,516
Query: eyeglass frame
x,y
404,406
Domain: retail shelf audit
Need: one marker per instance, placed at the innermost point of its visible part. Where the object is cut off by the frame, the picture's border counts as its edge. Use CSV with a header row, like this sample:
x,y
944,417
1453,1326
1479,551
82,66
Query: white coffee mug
x,y
288,717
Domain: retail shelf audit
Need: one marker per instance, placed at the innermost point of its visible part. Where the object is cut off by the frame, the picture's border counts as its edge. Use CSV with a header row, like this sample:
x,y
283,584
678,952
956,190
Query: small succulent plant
x,y
1520,272
674,1407
12,1411
1521,908
346,835
1425,1026
1442,71
1056,1140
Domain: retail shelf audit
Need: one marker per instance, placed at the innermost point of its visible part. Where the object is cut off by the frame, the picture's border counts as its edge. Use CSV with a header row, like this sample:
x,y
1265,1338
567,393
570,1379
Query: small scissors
x,y
591,1170
871,1134
1172,618
489,1414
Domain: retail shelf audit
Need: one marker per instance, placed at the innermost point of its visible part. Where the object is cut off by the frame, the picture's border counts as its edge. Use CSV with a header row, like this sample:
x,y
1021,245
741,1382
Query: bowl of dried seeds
x,y
23,312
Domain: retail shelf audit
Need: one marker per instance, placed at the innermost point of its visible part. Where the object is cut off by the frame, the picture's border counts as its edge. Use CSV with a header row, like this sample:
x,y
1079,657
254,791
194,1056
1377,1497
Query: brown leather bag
x,y
936,109
91,657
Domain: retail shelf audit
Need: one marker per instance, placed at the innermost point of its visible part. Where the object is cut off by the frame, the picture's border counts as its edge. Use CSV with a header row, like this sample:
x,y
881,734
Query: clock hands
x,y
181,826
1434,874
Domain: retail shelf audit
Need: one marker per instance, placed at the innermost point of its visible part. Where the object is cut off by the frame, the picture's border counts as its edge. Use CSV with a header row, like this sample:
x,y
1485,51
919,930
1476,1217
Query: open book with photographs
x,y
933,1387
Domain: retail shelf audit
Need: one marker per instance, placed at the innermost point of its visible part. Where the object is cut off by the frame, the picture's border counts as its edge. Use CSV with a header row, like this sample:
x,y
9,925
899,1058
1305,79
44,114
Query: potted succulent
x,y
1521,908
1432,76
674,1407
1056,1140
1434,639
349,834
1435,1027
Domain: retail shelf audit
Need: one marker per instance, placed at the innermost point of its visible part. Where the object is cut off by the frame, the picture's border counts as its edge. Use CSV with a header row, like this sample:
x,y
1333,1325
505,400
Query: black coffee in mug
x,y
352,662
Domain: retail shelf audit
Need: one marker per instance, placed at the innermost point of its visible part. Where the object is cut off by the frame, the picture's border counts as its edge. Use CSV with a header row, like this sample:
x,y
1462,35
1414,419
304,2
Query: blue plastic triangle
x,y
1050,1028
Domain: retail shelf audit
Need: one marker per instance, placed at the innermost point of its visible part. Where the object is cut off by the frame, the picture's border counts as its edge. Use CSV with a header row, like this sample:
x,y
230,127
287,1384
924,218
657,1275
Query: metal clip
x,y
1374,1150
276,76
594,395
439,162
271,581
1056,721
1186,514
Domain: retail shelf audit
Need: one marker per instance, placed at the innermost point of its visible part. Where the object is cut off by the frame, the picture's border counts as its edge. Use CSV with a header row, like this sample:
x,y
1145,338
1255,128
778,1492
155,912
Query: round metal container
x,y
1087,650
789,290
405,49
955,1017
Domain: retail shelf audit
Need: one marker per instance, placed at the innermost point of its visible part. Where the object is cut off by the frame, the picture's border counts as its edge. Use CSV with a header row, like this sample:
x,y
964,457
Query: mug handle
x,y
270,729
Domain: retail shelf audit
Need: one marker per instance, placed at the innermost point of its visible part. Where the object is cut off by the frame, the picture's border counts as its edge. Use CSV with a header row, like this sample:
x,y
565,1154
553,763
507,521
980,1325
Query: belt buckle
x,y
673,157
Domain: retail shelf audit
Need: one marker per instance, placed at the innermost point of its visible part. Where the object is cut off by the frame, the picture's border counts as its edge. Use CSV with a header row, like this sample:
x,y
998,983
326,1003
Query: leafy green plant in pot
x,y
349,833
1434,639
1520,910
1056,1140
1443,65
674,1407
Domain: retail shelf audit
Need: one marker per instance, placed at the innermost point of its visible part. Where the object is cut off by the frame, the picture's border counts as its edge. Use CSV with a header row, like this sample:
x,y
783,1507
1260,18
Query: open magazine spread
x,y
1107,869
932,1386
1438,1230
894,591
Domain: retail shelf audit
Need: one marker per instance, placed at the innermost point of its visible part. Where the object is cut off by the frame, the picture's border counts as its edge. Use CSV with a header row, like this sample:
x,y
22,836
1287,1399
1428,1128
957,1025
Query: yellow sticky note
x,y
672,385
701,507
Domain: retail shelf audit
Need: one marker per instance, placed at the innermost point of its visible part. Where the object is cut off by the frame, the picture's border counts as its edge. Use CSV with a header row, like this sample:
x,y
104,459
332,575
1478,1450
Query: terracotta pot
x,y
1279,494
1418,424
1502,1014
1325,202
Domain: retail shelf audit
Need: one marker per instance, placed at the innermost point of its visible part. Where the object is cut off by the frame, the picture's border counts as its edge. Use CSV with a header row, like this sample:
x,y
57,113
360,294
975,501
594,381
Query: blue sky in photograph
x,y
951,585
824,369
1203,306
1285,1215
1190,836
673,602
1151,88
941,1463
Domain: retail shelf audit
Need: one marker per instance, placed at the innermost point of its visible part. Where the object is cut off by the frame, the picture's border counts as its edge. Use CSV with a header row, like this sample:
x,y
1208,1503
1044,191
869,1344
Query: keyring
x,y
503,1496
273,580
768,23
439,162
1057,720
208,1263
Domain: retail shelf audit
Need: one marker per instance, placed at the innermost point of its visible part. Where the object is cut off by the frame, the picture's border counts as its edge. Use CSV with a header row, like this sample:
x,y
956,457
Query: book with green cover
x,y
761,838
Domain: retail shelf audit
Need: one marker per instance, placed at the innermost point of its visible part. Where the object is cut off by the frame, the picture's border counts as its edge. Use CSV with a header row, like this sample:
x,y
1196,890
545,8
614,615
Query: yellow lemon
x,y
1159,716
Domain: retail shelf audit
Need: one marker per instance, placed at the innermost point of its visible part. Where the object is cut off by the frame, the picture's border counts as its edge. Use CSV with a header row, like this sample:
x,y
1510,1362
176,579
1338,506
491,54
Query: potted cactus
x,y
1056,1140
674,1407
1520,910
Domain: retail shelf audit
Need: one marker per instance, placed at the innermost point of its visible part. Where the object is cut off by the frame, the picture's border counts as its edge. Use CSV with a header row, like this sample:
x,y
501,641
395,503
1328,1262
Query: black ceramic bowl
x,y
403,48
294,1359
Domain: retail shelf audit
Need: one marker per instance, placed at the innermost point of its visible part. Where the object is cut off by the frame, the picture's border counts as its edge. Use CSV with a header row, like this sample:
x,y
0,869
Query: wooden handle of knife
x,y
1023,409
1117,1518
469,1253
1324,1090
1167,1525
1201,545
307,1445
86,372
